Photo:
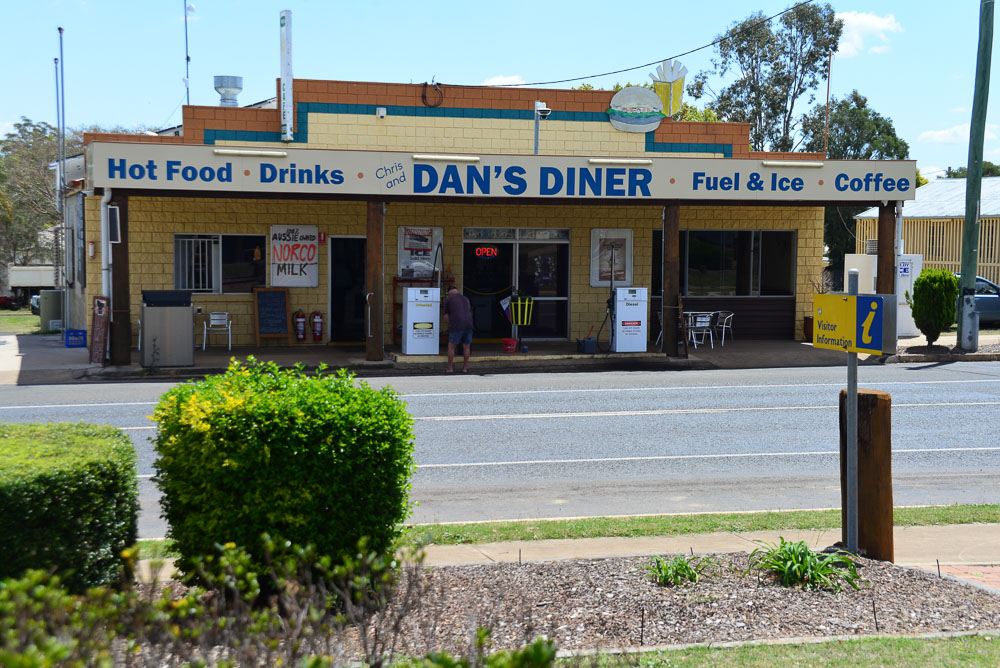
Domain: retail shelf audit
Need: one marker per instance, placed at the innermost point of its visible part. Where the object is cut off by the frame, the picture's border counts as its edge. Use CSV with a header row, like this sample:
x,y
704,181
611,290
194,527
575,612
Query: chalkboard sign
x,y
270,314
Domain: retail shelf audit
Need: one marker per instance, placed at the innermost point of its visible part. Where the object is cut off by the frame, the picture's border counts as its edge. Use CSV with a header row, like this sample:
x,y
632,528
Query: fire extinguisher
x,y
317,324
300,326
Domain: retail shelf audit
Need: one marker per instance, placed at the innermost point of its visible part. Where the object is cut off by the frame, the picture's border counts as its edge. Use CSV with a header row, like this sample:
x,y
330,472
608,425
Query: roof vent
x,y
871,247
228,88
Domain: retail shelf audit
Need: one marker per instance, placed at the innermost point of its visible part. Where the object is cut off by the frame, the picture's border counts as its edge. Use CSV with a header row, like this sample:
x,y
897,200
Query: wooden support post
x,y
885,283
671,277
374,336
874,473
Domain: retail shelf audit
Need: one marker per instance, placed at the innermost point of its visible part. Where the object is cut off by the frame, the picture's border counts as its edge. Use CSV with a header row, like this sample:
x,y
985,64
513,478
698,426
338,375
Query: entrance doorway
x,y
347,290
498,263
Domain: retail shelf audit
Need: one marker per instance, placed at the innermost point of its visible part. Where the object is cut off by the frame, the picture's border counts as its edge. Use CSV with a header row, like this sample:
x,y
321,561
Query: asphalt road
x,y
522,446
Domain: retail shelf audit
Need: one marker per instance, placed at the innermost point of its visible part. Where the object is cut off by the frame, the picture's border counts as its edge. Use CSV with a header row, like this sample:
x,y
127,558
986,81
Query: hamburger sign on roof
x,y
635,109
638,109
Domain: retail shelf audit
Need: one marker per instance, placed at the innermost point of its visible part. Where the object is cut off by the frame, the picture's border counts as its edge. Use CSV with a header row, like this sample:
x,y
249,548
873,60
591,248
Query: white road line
x,y
686,388
579,390
673,411
104,405
654,458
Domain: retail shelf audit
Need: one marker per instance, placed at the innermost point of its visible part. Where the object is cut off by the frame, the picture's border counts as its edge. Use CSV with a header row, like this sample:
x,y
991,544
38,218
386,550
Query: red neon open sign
x,y
486,251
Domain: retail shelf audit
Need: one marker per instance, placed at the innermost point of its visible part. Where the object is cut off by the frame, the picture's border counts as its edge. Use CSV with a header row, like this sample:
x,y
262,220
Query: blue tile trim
x,y
306,108
653,146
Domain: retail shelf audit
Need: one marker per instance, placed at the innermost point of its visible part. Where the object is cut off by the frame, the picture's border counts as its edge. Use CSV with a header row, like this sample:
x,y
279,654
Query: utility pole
x,y
968,320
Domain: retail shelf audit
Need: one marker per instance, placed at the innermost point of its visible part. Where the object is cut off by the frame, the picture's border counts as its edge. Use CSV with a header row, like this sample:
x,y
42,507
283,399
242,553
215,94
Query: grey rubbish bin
x,y
167,328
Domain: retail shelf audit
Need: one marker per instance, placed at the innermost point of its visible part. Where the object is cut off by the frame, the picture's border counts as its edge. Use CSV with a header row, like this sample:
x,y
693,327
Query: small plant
x,y
935,294
679,570
794,563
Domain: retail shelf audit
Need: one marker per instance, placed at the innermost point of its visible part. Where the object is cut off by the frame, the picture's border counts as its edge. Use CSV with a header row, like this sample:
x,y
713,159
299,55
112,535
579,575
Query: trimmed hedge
x,y
68,501
314,460
935,296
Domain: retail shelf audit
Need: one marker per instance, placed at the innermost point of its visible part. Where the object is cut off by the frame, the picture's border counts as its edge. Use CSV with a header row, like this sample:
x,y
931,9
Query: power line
x,y
657,62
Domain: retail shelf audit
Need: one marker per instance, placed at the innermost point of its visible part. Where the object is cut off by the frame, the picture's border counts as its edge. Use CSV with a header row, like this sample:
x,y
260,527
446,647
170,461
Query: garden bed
x,y
612,603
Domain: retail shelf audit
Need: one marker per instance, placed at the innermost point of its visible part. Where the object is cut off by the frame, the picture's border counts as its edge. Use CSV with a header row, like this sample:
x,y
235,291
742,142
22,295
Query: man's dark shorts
x,y
463,336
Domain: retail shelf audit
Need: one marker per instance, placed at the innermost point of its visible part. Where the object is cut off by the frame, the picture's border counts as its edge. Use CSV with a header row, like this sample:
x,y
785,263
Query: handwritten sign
x,y
295,256
270,314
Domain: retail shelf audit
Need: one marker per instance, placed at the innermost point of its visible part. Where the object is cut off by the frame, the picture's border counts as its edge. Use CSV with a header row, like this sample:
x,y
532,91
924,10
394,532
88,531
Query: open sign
x,y
486,251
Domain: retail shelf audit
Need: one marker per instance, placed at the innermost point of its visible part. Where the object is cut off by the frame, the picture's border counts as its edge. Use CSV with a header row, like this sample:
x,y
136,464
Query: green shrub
x,y
68,500
314,460
935,295
679,570
794,563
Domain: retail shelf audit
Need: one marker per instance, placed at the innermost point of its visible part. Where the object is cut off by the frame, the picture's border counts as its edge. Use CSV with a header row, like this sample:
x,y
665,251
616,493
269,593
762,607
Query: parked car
x,y
35,299
8,303
987,301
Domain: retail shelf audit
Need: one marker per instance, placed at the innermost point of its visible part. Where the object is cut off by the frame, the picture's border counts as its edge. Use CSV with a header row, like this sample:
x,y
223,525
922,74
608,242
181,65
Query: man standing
x,y
458,315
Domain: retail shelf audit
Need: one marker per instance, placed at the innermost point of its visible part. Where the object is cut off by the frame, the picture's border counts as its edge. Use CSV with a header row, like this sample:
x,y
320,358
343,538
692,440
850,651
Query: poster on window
x,y
295,256
610,254
416,251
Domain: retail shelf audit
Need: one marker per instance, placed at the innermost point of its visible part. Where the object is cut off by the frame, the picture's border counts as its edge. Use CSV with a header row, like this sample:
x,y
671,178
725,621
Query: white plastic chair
x,y
700,326
218,323
724,321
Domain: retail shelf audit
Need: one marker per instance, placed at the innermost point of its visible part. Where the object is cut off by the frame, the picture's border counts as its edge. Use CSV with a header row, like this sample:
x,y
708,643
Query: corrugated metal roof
x,y
945,198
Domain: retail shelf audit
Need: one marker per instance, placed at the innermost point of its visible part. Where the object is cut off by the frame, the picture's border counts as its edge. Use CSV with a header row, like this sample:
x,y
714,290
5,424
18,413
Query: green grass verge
x,y
675,525
19,322
965,651
657,525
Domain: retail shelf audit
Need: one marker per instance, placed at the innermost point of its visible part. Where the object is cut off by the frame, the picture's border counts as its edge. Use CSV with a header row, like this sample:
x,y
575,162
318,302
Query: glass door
x,y
488,277
543,273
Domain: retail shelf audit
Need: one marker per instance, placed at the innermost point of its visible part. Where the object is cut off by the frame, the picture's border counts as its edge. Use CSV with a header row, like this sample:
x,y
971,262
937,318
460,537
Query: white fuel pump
x,y
421,321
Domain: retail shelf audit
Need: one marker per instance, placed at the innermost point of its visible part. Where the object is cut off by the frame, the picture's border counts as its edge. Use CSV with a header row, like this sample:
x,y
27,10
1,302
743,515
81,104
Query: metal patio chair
x,y
218,323
723,322
700,326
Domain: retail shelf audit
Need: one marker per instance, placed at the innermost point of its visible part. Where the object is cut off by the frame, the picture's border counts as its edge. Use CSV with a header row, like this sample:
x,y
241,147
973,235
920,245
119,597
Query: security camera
x,y
543,113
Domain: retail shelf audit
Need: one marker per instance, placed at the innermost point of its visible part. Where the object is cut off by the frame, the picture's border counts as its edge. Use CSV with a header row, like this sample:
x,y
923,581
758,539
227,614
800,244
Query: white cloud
x,y
504,80
959,110
958,134
862,26
5,127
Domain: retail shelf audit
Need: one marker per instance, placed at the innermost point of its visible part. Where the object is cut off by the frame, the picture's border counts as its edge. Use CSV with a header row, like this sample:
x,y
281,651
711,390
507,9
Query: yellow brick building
x,y
374,166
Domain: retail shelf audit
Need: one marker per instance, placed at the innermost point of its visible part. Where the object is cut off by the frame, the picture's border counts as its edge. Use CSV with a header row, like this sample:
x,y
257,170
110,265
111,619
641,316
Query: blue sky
x,y
124,59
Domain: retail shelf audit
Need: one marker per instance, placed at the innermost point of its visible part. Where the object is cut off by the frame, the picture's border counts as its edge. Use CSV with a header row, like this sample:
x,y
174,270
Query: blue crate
x,y
76,338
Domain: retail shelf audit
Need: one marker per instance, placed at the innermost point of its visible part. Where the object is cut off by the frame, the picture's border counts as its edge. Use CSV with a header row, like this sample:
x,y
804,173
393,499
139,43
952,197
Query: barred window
x,y
220,263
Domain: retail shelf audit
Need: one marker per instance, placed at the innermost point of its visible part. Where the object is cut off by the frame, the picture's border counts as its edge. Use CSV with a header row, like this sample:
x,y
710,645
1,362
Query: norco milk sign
x,y
294,256
311,171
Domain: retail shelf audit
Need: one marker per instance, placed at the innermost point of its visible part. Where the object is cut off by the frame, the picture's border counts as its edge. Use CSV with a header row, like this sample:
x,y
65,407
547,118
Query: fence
x,y
940,242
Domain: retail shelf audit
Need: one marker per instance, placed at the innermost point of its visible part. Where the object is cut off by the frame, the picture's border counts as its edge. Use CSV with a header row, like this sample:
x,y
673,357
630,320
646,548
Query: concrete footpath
x,y
970,552
45,359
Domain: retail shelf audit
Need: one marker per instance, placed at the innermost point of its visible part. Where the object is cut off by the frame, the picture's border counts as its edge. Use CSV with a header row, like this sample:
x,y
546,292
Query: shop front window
x,y
220,263
726,263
